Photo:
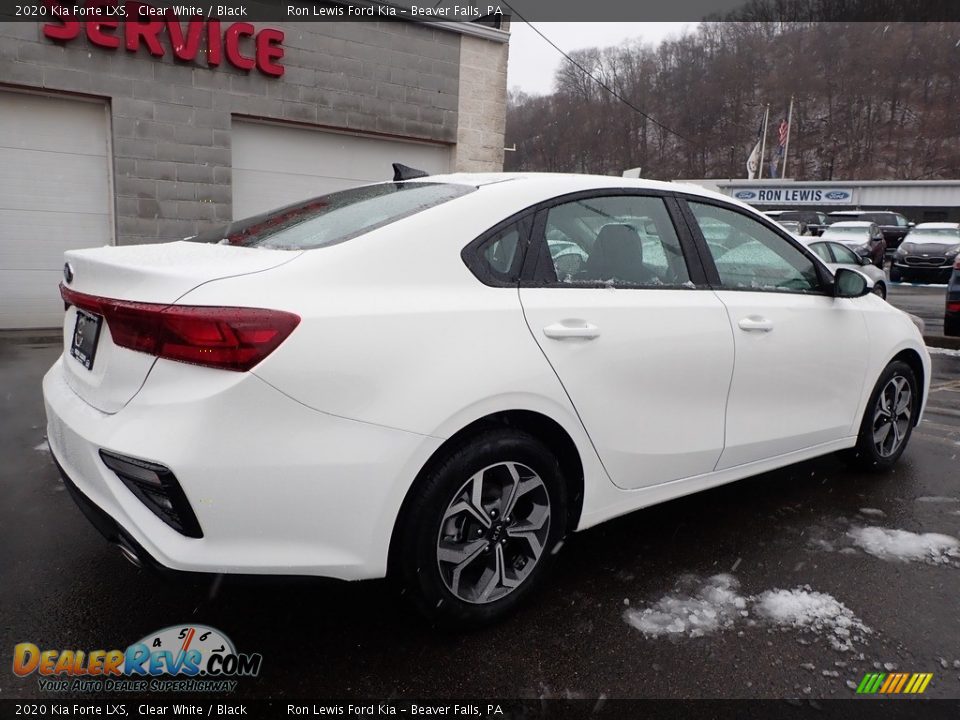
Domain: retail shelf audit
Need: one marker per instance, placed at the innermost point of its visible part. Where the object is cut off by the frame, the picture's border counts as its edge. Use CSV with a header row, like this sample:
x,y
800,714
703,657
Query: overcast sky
x,y
533,61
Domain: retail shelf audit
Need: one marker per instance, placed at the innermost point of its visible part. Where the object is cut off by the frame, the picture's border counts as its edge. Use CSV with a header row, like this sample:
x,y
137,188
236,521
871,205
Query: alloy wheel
x,y
493,532
892,416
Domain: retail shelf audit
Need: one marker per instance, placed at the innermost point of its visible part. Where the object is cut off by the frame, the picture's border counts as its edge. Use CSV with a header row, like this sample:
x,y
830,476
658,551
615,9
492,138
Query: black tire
x,y
415,565
866,454
880,290
895,275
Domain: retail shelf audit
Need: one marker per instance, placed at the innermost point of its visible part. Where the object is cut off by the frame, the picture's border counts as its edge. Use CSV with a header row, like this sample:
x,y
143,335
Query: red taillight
x,y
230,338
953,307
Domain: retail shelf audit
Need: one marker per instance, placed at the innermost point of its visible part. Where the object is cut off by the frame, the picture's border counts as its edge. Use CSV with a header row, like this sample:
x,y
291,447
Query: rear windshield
x,y
847,231
334,218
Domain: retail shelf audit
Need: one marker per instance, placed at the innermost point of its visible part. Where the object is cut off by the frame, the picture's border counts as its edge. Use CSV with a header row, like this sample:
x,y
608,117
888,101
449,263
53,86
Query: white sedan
x,y
396,380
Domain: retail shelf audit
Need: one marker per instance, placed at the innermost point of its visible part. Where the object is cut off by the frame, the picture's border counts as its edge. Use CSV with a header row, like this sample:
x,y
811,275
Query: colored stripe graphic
x,y
894,683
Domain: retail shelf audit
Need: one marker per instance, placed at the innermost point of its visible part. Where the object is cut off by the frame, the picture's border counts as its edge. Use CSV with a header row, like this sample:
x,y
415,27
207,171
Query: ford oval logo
x,y
745,195
837,195
68,273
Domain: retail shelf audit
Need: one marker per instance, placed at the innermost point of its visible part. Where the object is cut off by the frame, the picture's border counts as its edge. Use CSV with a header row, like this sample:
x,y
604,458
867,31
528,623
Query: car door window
x,y
750,256
843,254
822,251
619,240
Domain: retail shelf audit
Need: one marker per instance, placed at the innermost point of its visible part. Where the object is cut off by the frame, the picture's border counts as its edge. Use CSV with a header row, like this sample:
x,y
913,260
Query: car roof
x,y
554,184
937,226
851,224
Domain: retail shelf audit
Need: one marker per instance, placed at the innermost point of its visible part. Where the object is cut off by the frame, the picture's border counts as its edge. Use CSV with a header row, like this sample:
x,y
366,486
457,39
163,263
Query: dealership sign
x,y
794,196
135,25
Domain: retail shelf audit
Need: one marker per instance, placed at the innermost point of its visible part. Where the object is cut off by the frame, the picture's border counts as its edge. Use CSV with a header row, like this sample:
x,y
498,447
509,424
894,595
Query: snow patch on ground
x,y
937,499
699,607
887,544
695,610
943,351
806,609
874,512
42,447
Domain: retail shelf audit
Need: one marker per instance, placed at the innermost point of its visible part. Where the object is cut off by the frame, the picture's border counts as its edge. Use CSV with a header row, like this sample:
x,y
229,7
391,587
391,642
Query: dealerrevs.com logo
x,y
180,658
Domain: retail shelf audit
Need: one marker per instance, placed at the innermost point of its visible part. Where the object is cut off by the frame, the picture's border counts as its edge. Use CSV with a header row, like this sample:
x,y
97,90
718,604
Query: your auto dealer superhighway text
x,y
387,709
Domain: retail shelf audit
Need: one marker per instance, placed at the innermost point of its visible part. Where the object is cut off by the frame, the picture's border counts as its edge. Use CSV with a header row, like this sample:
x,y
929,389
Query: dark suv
x,y
951,315
815,220
894,225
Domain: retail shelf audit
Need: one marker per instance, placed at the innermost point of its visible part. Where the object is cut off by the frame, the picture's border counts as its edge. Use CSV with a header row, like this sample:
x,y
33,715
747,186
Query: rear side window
x,y
623,241
334,218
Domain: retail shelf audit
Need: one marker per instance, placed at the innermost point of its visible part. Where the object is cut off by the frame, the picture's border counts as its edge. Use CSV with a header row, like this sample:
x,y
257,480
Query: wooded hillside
x,y
872,101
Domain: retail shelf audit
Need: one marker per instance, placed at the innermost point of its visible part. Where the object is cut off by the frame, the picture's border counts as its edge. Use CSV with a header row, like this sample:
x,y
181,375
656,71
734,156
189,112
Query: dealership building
x,y
150,131
918,200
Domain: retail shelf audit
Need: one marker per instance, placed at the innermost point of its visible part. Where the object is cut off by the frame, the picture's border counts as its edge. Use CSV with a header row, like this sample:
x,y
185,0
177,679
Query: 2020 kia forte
x,y
438,378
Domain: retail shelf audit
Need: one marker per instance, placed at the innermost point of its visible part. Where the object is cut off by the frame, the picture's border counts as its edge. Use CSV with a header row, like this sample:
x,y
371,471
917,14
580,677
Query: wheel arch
x,y
540,426
912,358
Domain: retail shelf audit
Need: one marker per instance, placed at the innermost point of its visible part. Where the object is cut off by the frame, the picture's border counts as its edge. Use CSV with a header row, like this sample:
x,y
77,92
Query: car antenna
x,y
404,172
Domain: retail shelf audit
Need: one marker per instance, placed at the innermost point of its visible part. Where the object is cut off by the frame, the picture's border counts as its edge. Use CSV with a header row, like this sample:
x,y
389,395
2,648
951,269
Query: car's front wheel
x,y
880,289
889,418
482,528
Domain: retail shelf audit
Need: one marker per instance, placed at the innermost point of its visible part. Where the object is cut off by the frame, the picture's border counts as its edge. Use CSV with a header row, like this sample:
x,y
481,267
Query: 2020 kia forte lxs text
x,y
437,379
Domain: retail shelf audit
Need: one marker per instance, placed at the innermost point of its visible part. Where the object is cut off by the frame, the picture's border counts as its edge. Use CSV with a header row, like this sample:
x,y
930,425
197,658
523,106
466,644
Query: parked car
x,y
795,227
951,313
815,220
893,225
837,255
397,379
927,253
864,238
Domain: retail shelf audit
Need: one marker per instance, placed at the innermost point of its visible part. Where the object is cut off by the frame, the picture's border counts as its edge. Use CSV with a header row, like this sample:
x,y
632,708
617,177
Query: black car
x,y
894,225
815,220
951,315
927,254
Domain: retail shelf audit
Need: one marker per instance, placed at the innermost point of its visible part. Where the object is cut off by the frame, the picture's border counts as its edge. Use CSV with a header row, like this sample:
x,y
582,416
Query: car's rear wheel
x,y
880,289
482,528
888,420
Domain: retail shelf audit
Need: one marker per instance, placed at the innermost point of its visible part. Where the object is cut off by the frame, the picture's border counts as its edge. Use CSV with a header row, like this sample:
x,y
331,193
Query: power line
x,y
602,84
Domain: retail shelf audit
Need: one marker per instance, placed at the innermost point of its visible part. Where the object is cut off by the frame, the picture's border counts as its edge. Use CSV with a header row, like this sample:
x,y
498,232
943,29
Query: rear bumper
x,y
277,488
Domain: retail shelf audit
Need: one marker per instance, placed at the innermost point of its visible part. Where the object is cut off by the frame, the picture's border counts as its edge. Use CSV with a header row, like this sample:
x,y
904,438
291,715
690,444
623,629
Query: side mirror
x,y
865,260
911,224
849,284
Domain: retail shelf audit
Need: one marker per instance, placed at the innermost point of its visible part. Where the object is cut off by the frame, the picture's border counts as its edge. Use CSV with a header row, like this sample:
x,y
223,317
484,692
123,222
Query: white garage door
x,y
54,196
274,165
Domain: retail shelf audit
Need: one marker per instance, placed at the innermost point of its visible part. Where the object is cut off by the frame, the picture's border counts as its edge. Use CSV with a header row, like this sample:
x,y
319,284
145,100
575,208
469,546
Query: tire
x,y
895,274
881,455
462,571
880,290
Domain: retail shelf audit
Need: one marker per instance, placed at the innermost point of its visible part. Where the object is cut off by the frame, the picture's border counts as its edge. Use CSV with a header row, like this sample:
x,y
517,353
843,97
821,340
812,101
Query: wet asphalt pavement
x,y
64,587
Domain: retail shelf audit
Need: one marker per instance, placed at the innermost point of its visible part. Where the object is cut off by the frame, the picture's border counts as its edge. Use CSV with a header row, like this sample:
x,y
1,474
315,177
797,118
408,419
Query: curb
x,y
36,336
940,341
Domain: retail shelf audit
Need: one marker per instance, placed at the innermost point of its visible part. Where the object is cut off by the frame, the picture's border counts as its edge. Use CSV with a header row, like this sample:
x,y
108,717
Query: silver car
x,y
836,255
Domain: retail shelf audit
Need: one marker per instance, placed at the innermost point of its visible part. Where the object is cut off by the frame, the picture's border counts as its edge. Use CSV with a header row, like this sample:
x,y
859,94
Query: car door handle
x,y
756,324
571,329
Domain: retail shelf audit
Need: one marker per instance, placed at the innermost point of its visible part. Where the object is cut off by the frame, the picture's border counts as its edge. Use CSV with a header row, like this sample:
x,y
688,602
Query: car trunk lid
x,y
104,374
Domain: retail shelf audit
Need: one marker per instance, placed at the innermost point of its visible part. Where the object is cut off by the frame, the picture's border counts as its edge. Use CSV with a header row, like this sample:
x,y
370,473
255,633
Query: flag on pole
x,y
783,131
754,160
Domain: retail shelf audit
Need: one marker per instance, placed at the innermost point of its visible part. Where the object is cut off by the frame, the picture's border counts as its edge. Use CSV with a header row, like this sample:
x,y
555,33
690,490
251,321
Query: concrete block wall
x,y
171,120
482,107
